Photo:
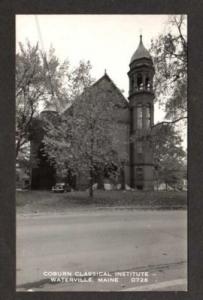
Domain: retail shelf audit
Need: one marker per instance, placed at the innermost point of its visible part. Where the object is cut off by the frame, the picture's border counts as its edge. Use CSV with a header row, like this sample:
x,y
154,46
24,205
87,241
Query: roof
x,y
141,52
105,77
122,101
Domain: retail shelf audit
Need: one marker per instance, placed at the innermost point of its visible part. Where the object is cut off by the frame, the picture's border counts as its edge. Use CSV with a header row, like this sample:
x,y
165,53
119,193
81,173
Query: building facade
x,y
134,116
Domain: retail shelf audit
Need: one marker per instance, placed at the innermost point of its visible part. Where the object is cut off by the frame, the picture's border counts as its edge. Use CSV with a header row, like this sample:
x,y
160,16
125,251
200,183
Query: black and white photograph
x,y
101,152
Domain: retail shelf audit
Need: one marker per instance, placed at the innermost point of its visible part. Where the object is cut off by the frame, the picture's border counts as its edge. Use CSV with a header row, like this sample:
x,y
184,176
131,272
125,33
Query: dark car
x,y
61,188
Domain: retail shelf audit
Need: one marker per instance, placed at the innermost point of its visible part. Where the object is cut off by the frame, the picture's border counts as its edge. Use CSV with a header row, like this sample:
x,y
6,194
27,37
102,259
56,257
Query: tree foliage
x,y
169,53
33,88
83,138
169,155
43,82
170,59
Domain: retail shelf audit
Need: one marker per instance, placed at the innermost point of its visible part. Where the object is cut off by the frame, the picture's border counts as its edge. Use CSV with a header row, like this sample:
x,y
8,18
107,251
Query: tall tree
x,y
170,59
42,81
84,137
169,52
33,88
169,155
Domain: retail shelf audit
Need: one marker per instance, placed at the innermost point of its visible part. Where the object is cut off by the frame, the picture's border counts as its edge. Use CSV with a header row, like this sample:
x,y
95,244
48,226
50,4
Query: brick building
x,y
134,116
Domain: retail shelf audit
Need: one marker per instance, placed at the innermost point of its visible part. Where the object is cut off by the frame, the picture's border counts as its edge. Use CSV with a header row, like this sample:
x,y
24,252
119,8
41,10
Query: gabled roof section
x,y
122,101
112,85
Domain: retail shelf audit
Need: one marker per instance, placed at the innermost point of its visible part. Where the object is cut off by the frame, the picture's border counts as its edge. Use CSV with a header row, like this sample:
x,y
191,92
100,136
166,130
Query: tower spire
x,y
141,101
141,52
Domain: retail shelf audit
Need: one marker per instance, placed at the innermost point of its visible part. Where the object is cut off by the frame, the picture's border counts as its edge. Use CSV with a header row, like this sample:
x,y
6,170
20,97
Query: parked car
x,y
61,188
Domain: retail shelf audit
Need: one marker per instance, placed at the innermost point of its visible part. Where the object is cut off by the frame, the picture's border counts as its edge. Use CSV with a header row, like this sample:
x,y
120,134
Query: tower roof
x,y
141,52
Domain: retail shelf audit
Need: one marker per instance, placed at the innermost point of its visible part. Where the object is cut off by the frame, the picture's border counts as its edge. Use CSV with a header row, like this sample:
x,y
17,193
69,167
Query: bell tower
x,y
141,101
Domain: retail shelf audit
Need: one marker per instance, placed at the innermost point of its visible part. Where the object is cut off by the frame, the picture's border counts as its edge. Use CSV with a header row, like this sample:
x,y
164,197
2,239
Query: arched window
x,y
139,117
139,80
148,116
147,83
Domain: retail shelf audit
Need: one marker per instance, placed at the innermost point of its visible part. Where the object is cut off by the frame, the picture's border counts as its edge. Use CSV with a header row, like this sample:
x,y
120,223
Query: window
x,y
139,80
139,170
139,178
139,175
139,117
139,147
148,116
148,83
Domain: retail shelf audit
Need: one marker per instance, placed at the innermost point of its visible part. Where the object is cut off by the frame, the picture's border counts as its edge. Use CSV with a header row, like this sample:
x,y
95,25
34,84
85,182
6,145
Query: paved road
x,y
103,241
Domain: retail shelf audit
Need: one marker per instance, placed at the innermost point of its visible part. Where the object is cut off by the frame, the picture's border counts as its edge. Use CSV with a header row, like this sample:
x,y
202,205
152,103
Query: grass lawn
x,y
45,201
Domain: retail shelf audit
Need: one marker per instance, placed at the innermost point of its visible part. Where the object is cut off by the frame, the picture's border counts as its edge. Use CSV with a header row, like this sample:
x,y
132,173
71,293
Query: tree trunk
x,y
91,169
17,148
122,178
91,191
100,179
91,185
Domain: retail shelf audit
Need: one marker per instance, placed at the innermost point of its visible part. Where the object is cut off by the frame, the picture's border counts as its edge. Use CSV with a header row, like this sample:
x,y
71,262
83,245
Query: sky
x,y
107,41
